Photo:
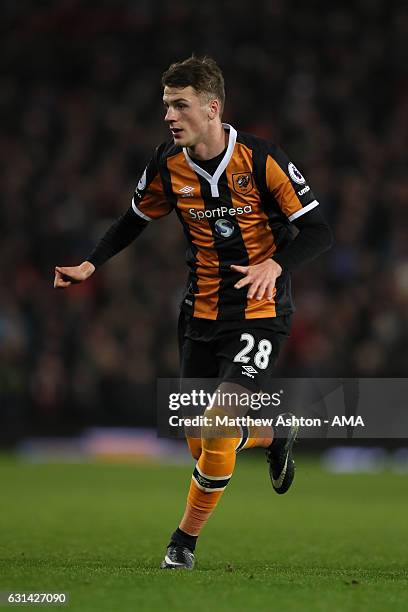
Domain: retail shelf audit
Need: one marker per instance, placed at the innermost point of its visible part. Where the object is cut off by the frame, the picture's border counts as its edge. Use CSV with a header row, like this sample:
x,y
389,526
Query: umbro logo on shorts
x,y
249,371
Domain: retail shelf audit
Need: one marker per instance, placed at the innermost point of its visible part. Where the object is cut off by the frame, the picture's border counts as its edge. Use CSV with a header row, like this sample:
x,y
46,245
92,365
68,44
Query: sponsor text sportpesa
x,y
221,211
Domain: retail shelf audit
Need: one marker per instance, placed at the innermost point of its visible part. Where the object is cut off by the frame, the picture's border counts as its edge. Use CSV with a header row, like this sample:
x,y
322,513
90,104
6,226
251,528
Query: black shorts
x,y
244,352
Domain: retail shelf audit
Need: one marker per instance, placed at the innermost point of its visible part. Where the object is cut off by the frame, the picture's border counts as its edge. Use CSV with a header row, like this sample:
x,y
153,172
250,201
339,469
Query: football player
x,y
249,218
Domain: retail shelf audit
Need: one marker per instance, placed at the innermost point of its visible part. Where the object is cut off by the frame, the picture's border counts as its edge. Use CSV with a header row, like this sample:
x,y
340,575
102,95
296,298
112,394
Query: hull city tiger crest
x,y
242,182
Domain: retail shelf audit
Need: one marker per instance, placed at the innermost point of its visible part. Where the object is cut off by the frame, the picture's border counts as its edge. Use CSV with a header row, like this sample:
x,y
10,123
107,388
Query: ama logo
x,y
224,228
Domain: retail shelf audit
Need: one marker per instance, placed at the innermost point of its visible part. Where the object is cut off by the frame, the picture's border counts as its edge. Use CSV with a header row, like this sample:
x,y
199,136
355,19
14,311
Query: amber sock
x,y
211,475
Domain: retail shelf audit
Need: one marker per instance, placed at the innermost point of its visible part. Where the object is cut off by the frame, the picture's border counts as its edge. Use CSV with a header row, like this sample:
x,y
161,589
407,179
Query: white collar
x,y
213,180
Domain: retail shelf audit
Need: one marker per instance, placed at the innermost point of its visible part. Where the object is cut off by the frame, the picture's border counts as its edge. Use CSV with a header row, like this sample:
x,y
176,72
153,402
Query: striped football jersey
x,y
241,214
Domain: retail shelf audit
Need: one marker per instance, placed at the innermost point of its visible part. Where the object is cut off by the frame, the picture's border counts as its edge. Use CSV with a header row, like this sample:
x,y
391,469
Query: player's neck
x,y
213,145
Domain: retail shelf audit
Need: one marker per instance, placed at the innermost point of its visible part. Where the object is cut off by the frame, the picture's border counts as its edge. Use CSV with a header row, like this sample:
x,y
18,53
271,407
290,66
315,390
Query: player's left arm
x,y
297,202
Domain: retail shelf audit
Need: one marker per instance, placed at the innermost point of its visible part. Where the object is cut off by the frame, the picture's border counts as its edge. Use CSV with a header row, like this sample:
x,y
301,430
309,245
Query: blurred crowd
x,y
81,111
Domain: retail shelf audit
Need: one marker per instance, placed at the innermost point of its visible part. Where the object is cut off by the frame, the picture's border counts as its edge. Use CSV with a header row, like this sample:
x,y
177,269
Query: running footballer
x,y
238,198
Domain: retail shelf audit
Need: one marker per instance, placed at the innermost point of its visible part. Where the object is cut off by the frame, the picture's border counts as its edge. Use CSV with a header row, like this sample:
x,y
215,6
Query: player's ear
x,y
213,108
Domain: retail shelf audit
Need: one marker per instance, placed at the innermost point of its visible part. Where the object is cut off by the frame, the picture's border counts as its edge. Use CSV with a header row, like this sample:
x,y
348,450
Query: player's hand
x,y
64,277
260,278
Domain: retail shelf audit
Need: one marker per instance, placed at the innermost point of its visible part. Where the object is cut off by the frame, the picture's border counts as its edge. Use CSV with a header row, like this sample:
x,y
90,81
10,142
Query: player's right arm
x,y
148,203
68,275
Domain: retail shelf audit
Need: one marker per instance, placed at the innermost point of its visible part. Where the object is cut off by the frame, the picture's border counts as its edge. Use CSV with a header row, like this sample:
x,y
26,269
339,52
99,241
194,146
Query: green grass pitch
x,y
98,532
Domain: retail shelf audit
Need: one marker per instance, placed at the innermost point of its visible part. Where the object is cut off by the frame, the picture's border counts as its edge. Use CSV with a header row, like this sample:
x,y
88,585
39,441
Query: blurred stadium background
x,y
80,102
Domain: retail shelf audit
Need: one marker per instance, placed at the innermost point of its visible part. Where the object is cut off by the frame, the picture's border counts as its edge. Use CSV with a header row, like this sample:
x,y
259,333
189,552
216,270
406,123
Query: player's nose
x,y
170,115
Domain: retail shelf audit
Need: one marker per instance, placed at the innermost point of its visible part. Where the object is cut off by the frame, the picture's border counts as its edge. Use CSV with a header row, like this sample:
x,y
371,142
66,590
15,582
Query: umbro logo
x,y
187,191
249,371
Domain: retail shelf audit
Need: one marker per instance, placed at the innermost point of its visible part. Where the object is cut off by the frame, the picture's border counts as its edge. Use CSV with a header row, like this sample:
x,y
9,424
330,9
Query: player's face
x,y
187,115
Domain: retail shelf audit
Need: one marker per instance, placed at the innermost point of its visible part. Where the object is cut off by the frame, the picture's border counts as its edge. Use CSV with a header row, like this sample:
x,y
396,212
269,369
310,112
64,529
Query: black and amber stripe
x,y
192,288
230,301
203,261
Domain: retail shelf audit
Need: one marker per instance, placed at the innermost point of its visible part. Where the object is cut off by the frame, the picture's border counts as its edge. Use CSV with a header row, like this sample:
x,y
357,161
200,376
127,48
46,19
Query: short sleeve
x,y
149,200
288,185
